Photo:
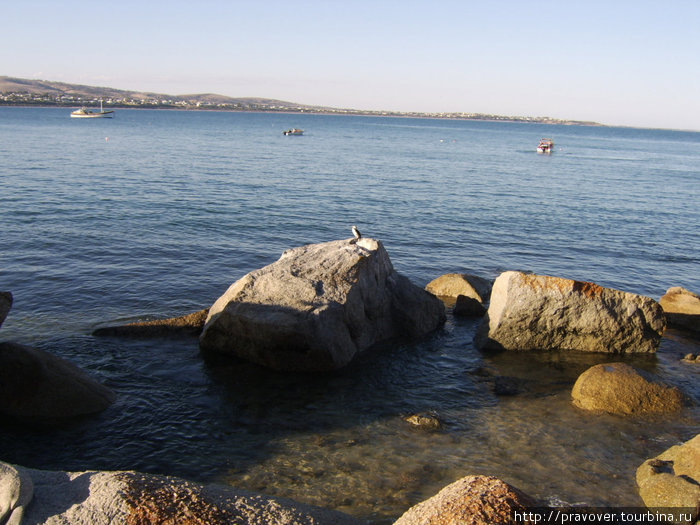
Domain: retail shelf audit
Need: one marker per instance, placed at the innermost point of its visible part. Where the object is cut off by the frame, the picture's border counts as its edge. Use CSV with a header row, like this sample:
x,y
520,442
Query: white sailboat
x,y
88,113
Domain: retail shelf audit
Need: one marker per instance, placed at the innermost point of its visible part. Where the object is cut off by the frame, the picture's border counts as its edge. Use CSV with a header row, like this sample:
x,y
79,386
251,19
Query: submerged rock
x,y
127,497
538,312
618,388
427,421
36,385
473,500
318,307
186,325
671,480
682,308
5,305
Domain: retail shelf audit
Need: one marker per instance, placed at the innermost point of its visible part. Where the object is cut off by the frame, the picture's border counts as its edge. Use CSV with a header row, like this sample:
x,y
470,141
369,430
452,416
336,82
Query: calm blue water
x,y
154,214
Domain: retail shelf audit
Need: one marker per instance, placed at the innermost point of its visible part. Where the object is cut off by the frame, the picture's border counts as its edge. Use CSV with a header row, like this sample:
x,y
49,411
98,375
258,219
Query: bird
x,y
356,233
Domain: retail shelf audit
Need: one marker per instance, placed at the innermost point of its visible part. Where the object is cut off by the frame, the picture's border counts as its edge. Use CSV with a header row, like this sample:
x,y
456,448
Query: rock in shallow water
x,y
186,325
618,388
682,308
456,284
319,306
538,312
41,387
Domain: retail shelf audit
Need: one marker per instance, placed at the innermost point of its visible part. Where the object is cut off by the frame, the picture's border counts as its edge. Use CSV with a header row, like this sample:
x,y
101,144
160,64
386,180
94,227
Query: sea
x,y
154,213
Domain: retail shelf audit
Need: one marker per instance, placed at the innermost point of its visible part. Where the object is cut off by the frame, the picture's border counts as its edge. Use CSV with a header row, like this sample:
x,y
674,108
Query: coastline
x,y
339,112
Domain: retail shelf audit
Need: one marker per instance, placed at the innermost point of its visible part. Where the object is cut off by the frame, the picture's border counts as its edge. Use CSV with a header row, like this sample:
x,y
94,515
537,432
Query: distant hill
x,y
22,91
59,90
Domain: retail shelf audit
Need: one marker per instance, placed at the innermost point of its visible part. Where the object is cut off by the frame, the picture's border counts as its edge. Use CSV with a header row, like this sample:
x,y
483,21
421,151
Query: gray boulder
x,y
618,388
127,497
5,305
40,386
473,500
538,312
671,480
16,491
682,308
318,307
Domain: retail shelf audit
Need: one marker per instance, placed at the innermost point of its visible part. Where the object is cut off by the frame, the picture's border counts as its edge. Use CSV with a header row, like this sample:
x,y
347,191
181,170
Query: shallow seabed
x,y
156,213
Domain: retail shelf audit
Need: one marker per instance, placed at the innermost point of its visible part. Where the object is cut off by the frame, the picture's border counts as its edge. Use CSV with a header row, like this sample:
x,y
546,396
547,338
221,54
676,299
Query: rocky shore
x,y
317,309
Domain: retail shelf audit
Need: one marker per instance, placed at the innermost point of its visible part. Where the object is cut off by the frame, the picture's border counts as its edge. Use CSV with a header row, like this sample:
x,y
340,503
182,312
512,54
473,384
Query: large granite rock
x,y
16,491
671,480
473,500
36,385
682,308
126,498
618,388
538,312
186,325
319,306
5,305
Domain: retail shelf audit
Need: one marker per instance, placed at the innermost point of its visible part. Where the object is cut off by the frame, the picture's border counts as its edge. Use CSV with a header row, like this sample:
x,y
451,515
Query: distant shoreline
x,y
327,111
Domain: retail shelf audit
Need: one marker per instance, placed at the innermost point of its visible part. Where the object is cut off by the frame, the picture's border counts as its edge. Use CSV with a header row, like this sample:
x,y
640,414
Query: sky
x,y
617,62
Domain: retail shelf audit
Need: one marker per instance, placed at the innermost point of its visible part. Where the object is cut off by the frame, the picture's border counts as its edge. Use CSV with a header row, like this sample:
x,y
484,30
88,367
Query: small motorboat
x,y
293,131
88,113
545,146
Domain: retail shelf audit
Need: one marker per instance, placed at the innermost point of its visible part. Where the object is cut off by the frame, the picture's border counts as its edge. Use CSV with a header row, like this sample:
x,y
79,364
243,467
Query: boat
x,y
293,131
88,113
545,146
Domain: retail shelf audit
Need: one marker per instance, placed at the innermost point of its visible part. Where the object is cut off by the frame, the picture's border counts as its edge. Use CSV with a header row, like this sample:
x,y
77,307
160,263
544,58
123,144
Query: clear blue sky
x,y
633,62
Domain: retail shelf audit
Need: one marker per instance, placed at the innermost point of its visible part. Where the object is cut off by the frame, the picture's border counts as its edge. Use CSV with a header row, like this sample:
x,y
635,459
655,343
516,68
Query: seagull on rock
x,y
356,233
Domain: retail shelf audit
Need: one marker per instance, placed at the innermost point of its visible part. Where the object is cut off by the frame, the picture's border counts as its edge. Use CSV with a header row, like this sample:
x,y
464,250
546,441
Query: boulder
x,y
671,480
16,491
473,500
5,305
36,385
127,497
456,284
318,307
682,308
618,388
538,312
186,325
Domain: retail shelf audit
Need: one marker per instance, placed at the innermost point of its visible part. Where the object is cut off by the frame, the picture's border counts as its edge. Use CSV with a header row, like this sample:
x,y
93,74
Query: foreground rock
x,y
319,306
682,308
537,312
16,491
5,305
116,498
36,385
473,500
186,325
618,388
672,480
